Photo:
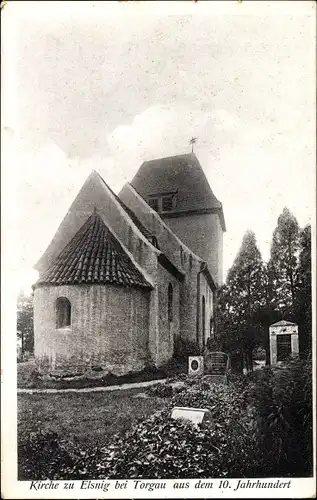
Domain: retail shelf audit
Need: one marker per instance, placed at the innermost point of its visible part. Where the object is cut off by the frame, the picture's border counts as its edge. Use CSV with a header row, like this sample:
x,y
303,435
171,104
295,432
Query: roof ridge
x,y
171,156
146,233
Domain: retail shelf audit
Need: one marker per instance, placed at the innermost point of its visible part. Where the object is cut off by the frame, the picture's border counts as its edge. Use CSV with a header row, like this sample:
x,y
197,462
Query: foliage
x,y
283,403
185,348
240,301
258,426
25,327
43,453
160,390
282,266
304,291
158,447
256,295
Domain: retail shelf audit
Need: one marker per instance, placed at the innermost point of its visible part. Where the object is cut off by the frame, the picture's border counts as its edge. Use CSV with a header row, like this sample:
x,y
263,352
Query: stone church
x,y
125,277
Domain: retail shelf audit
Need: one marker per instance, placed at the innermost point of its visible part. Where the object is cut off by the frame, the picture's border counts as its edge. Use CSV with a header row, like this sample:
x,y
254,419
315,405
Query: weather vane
x,y
192,142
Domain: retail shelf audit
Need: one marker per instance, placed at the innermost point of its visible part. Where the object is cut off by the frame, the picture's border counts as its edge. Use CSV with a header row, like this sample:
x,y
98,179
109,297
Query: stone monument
x,y
195,366
194,415
283,341
216,367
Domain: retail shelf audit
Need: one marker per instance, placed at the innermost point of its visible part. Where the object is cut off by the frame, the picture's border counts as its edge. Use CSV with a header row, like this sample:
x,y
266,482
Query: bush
x,y
256,427
161,447
259,354
160,390
186,348
42,455
282,399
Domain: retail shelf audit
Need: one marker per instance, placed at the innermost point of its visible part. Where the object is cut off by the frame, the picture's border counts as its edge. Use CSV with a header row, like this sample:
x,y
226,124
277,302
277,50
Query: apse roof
x,y
93,256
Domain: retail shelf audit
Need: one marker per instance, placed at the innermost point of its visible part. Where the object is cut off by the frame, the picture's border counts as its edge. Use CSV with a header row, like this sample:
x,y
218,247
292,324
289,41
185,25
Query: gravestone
x,y
216,367
195,366
194,415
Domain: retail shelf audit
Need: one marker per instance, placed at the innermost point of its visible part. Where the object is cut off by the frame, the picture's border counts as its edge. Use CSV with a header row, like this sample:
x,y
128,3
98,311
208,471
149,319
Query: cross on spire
x,y
193,141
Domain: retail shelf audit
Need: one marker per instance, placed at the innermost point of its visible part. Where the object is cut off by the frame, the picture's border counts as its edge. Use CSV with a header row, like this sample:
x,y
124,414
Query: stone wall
x,y
175,249
109,328
168,330
204,236
181,256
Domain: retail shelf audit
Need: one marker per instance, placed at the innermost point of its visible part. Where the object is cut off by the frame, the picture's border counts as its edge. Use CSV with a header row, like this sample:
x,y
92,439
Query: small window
x,y
167,203
170,302
154,203
63,312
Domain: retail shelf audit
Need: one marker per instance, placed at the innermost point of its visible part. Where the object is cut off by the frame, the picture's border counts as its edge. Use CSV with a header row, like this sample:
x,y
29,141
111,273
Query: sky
x,y
107,85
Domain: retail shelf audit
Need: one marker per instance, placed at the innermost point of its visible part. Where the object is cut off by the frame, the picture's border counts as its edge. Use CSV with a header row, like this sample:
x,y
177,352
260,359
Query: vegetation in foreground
x,y
258,427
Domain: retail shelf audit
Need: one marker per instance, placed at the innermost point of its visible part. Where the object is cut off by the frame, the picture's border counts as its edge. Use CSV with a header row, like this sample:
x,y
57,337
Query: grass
x,y
91,417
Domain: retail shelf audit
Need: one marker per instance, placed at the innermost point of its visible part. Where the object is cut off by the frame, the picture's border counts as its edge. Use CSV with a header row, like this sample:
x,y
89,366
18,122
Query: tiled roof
x,y
183,175
93,256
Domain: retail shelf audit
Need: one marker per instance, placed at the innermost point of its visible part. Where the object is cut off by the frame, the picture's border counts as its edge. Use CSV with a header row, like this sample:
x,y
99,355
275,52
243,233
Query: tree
x,y
241,300
283,265
25,329
304,291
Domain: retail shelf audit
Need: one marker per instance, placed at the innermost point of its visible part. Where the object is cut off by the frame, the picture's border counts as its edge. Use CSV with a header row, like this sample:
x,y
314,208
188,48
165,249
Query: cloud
x,y
252,176
109,93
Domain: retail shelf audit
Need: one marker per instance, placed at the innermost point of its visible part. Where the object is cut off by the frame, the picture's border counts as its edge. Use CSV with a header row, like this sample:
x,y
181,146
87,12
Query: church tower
x,y
177,188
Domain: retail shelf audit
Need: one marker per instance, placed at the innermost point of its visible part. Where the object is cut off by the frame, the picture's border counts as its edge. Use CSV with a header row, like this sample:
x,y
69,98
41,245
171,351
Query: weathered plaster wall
x,y
181,256
170,244
168,330
109,328
204,236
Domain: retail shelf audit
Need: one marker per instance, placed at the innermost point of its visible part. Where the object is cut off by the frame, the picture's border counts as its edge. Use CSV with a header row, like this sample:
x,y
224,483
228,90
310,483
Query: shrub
x,y
41,455
185,348
256,427
161,447
46,455
259,354
282,399
160,390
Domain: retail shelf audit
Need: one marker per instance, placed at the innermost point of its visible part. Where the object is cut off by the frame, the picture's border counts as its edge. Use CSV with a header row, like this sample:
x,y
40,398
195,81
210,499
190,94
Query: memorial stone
x,y
194,415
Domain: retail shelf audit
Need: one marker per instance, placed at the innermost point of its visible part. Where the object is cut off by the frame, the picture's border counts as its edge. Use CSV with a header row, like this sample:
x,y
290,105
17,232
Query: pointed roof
x,y
182,174
283,322
148,235
94,193
93,256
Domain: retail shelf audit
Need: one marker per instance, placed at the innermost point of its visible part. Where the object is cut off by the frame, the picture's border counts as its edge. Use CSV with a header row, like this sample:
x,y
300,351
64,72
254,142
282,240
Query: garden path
x,y
94,389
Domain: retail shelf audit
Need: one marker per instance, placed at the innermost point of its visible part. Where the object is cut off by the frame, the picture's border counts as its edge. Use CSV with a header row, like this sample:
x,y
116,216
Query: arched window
x,y
63,312
203,319
170,303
